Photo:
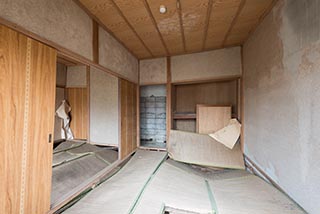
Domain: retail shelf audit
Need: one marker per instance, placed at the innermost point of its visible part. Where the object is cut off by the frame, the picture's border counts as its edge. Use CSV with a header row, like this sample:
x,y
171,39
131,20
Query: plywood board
x,y
104,112
78,98
203,150
212,118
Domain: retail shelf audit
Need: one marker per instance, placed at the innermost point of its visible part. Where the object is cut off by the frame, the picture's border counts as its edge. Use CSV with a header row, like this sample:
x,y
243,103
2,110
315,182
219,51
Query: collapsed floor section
x,y
150,184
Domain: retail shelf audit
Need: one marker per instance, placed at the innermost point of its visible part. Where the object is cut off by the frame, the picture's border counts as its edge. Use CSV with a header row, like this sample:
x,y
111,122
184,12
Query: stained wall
x,y
281,99
153,71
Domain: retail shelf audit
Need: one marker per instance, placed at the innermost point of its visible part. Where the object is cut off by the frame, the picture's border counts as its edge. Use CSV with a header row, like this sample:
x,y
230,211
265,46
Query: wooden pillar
x,y
95,41
169,86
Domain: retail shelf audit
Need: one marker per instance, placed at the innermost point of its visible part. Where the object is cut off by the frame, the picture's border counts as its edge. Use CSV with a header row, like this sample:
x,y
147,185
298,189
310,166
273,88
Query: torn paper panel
x,y
228,135
63,113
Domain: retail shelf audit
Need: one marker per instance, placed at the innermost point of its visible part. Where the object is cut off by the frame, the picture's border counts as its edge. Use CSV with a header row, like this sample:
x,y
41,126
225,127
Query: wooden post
x,y
168,110
95,41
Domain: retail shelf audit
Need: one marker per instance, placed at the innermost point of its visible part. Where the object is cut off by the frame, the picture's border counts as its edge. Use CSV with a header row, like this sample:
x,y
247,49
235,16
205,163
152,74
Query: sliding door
x,y
27,93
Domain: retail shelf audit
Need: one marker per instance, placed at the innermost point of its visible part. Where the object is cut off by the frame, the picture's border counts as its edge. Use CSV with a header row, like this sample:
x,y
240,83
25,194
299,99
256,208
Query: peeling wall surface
x,y
206,65
60,21
153,71
104,108
77,76
281,99
115,57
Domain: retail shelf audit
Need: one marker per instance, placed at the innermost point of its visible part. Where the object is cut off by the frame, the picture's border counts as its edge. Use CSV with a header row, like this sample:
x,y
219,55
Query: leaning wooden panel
x,y
77,98
203,150
41,124
12,99
212,118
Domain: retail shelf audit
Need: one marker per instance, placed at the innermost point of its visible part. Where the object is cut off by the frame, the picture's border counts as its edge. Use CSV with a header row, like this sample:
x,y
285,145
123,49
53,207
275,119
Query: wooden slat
x,y
209,9
181,25
13,48
41,124
95,41
212,118
78,100
168,99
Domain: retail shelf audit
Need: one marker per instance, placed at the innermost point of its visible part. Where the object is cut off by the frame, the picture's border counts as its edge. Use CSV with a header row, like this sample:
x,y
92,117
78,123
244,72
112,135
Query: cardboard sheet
x,y
201,149
228,135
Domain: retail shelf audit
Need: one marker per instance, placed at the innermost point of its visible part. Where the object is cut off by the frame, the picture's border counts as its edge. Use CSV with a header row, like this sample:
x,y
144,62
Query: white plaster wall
x,y
60,21
206,65
115,57
77,76
281,99
153,71
104,112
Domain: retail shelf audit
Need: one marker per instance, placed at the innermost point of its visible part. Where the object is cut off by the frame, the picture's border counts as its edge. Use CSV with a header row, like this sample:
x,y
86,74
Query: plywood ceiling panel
x,y
187,26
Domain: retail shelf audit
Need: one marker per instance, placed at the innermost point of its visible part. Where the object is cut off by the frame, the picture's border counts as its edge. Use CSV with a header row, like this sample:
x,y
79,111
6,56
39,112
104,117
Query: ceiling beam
x,y
181,25
205,34
234,21
88,12
131,27
147,6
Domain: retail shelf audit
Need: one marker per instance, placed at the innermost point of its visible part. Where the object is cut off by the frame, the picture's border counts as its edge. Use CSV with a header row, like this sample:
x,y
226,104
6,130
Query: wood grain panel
x,y
78,100
12,92
248,18
138,17
41,124
194,23
222,14
187,26
168,24
105,11
217,93
212,118
128,118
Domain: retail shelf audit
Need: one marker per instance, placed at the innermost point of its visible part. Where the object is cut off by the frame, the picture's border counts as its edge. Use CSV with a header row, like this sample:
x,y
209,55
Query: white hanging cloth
x,y
63,113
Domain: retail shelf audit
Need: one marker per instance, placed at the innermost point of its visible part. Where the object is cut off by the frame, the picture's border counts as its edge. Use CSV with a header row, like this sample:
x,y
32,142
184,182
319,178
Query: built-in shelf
x,y
184,116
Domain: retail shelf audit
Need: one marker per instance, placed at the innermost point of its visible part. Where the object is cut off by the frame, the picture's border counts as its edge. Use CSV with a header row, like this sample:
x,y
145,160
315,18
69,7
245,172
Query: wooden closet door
x,y
41,113
13,49
27,93
128,118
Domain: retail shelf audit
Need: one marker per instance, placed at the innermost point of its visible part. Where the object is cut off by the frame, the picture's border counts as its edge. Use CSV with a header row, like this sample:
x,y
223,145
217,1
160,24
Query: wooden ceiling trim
x,y
101,24
243,2
147,6
207,24
131,27
181,25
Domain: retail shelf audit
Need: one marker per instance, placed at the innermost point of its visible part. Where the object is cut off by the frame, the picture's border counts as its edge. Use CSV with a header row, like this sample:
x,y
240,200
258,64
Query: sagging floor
x,y
152,183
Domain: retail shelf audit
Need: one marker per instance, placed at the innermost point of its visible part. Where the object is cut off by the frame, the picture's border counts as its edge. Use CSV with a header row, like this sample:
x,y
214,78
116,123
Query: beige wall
x,y
77,76
281,99
59,21
115,57
104,108
206,65
153,71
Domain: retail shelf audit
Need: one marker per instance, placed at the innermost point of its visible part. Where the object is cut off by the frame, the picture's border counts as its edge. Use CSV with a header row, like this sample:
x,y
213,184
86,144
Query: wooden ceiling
x,y
188,25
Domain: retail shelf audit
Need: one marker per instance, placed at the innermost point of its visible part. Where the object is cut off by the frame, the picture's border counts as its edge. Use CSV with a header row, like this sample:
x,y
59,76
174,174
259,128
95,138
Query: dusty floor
x,y
151,183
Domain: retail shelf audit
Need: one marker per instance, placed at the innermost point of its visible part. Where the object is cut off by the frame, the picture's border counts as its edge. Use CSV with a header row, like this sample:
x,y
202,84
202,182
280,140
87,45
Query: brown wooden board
x,y
212,118
78,98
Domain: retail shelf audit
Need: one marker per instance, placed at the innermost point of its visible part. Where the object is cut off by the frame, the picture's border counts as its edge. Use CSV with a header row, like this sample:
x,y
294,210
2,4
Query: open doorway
x,y
153,116
76,160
